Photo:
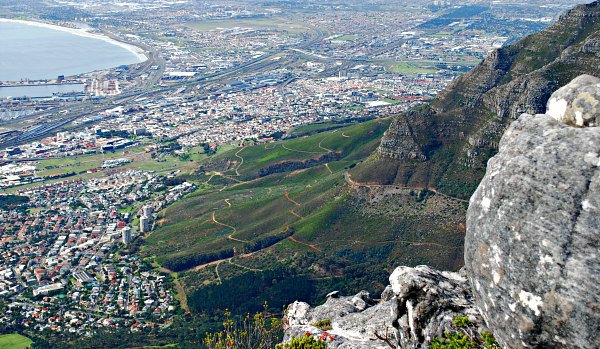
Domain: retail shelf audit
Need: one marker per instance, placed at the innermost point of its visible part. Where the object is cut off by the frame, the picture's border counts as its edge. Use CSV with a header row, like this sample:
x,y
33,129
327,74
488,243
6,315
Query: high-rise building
x,y
147,211
126,235
144,224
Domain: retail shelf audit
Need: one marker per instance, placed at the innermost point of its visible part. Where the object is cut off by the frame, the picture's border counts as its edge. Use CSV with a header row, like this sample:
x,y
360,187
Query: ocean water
x,y
32,52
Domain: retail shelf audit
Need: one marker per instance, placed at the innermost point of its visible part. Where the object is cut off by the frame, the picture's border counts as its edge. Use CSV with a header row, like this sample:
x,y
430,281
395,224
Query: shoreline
x,y
137,51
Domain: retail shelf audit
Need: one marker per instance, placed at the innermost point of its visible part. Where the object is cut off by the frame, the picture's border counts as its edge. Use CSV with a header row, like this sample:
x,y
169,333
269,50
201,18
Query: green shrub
x,y
323,325
462,321
308,341
253,332
455,340
466,336
489,341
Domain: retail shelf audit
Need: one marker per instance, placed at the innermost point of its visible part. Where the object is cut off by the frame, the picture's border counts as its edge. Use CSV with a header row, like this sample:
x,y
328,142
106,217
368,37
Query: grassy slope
x,y
339,239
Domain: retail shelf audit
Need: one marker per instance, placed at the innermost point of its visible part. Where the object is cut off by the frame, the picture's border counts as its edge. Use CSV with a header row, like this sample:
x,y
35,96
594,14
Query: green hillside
x,y
279,222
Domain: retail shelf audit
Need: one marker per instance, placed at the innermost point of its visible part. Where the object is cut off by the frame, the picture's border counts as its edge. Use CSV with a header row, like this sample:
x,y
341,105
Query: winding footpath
x,y
349,180
292,238
230,236
237,154
305,244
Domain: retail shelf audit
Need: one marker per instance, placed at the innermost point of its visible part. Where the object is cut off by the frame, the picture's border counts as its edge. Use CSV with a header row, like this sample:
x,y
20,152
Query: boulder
x,y
420,304
578,103
532,246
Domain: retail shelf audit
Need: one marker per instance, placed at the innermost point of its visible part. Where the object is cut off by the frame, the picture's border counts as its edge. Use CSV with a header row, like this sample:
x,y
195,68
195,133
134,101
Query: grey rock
x,y
362,300
420,303
334,294
428,302
387,294
533,233
578,103
399,141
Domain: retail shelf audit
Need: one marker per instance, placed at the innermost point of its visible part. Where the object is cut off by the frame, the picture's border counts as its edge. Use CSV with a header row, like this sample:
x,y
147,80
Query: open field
x,y
408,68
279,24
14,341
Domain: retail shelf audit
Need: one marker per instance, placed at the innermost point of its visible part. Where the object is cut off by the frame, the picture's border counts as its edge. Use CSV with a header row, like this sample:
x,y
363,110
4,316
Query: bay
x,y
33,51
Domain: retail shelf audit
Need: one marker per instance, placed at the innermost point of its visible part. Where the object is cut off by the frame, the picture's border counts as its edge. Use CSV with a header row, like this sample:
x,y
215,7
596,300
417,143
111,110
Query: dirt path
x,y
217,271
230,178
322,147
230,236
345,135
349,180
300,151
295,214
305,244
237,154
287,196
180,293
238,182
206,265
243,267
328,169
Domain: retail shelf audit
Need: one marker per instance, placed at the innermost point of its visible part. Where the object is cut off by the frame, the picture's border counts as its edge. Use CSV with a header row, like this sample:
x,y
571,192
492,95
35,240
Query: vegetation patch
x,y
465,336
15,341
323,325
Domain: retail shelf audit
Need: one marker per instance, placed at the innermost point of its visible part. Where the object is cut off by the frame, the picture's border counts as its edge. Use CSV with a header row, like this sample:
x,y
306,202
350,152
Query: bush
x,y
462,321
466,336
253,332
489,341
455,340
323,325
308,341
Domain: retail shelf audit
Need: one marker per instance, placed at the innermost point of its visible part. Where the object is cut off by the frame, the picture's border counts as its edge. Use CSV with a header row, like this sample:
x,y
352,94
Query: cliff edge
x,y
533,226
531,252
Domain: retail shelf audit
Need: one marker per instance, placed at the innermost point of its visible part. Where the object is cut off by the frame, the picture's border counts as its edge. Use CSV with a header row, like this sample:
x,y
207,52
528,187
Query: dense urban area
x,y
84,174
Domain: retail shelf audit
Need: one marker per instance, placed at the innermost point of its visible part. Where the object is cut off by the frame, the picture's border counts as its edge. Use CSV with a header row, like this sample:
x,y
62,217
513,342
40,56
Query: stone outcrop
x,y
578,103
399,143
533,227
419,304
532,249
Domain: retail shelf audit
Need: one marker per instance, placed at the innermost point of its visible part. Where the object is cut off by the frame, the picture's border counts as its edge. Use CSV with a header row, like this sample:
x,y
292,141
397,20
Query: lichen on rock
x,y
578,103
533,227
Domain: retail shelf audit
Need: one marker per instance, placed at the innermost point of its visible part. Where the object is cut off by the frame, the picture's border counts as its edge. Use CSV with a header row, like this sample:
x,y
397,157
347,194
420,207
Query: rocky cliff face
x,y
451,140
532,250
533,227
419,304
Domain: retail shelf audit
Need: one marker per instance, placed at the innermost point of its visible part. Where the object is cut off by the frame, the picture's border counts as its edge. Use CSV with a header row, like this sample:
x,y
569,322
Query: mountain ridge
x,y
446,144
